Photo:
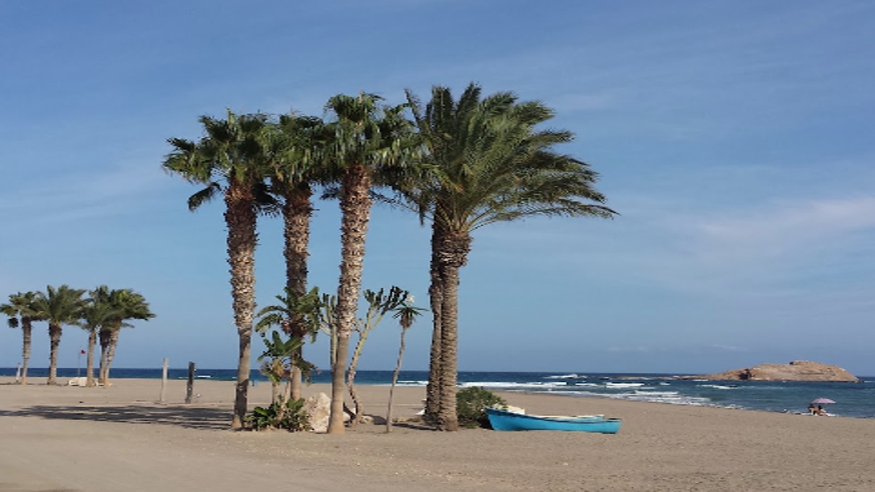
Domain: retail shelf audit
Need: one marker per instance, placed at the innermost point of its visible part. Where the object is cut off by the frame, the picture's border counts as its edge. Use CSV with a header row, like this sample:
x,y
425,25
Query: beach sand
x,y
119,439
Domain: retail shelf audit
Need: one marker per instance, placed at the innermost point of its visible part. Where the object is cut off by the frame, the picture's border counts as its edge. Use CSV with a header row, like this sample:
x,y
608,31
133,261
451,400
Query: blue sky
x,y
734,137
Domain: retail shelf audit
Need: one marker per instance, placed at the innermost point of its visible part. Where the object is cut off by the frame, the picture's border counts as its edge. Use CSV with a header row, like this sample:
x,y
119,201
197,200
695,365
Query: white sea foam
x,y
672,397
565,376
717,386
624,385
505,385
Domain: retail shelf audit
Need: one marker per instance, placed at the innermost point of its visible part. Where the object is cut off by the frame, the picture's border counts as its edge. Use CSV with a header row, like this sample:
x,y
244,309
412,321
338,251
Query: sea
x,y
851,399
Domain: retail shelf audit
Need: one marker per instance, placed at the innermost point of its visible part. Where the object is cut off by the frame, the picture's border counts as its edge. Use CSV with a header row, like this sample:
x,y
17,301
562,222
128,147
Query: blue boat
x,y
509,421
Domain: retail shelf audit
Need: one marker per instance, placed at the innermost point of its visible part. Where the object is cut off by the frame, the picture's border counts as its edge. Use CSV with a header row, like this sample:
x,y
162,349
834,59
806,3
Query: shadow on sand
x,y
181,416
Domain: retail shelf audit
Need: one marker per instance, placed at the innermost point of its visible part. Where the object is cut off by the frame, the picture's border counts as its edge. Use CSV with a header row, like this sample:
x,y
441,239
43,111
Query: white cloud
x,y
791,228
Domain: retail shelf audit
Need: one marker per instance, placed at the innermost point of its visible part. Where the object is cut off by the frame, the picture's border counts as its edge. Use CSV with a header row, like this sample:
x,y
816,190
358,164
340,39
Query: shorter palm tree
x,y
20,308
297,317
123,305
97,315
379,304
61,306
406,315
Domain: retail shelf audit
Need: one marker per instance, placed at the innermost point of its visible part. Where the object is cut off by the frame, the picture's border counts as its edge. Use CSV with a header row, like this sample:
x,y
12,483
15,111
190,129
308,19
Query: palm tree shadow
x,y
180,416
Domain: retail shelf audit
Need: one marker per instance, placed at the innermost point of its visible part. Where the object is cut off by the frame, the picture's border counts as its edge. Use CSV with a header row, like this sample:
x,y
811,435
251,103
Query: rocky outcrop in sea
x,y
797,370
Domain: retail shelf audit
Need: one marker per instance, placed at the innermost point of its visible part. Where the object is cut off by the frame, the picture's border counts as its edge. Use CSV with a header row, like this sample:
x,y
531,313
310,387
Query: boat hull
x,y
508,421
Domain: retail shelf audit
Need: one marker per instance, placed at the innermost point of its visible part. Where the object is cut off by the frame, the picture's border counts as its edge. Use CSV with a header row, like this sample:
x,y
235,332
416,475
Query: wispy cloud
x,y
101,191
784,230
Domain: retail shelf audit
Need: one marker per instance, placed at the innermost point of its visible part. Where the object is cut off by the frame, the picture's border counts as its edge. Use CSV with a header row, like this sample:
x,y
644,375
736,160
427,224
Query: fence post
x,y
189,389
163,380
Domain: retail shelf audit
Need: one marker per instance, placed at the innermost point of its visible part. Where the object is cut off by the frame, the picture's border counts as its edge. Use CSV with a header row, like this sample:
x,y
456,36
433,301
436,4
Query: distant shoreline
x,y
854,400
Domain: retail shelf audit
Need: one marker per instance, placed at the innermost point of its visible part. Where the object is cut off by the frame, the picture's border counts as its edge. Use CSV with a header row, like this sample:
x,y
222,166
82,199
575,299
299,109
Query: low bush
x,y
290,417
471,406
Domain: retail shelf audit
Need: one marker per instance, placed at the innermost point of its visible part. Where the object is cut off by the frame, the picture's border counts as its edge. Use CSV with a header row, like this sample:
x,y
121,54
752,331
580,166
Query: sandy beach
x,y
121,438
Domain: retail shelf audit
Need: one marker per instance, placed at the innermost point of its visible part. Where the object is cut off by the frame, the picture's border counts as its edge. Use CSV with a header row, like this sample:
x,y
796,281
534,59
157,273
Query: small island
x,y
797,370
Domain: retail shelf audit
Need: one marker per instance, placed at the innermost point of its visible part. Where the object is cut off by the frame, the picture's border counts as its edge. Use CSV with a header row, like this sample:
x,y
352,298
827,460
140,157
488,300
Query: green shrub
x,y
293,418
471,406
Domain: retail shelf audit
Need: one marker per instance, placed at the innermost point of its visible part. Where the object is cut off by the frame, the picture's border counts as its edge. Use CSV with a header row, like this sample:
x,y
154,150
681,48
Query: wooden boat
x,y
509,421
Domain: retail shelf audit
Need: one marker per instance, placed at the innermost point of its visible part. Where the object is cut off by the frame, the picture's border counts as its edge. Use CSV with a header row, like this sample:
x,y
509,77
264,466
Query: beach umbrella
x,y
822,401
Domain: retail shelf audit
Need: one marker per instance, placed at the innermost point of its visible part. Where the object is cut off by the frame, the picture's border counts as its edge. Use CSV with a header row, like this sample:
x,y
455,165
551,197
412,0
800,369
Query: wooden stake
x,y
189,389
163,380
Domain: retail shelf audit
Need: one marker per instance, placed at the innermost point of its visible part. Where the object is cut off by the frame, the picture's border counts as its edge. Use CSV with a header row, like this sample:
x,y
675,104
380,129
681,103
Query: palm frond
x,y
203,196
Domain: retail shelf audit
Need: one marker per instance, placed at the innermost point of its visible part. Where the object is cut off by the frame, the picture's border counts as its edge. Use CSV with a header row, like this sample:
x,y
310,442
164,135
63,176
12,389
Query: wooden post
x,y
163,380
189,389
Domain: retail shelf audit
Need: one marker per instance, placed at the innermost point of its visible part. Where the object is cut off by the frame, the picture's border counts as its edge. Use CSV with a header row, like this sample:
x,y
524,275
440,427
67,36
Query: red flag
x,y
81,352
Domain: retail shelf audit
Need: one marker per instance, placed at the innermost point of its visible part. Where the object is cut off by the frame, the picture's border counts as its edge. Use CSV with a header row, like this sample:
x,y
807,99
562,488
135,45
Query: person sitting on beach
x,y
820,410
812,409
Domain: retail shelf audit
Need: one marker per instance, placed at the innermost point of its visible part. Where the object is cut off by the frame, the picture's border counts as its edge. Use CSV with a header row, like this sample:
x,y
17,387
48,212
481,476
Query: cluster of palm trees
x,y
460,164
102,313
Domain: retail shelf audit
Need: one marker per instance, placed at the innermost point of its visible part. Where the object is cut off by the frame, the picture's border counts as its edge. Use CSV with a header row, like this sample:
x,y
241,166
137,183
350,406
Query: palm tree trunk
x,y
453,255
240,218
435,292
89,364
27,337
297,211
55,341
104,337
357,407
395,379
355,206
110,354
274,391
447,418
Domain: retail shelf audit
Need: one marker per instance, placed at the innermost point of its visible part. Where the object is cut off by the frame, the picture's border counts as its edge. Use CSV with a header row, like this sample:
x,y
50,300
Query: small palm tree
x,y
380,303
406,315
297,317
61,306
278,359
230,160
123,305
490,165
20,308
97,315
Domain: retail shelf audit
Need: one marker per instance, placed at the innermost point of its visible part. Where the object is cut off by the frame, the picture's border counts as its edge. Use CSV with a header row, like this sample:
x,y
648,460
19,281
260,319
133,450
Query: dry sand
x,y
118,439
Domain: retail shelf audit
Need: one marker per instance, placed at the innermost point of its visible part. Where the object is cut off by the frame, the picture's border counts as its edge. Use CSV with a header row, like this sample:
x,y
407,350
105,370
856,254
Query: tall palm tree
x,y
492,165
368,139
123,305
96,316
292,147
61,306
20,308
229,159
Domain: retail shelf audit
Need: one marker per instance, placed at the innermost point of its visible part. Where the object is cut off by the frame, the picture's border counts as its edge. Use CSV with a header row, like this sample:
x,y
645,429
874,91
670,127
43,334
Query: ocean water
x,y
852,399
